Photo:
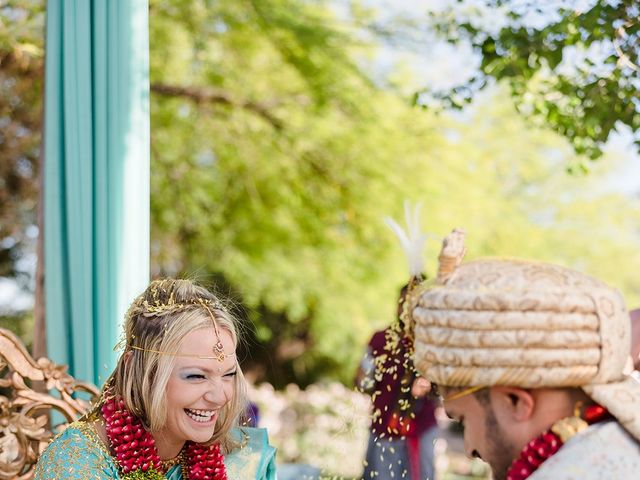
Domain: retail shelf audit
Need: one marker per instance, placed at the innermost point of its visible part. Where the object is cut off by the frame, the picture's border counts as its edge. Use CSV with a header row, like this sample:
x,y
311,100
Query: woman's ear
x,y
516,403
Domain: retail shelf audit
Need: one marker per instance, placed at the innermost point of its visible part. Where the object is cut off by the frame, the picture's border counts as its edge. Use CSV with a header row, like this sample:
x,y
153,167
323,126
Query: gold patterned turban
x,y
524,324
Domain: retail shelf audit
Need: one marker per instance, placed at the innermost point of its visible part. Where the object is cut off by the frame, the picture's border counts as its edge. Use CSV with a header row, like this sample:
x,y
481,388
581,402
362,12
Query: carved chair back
x,y
25,411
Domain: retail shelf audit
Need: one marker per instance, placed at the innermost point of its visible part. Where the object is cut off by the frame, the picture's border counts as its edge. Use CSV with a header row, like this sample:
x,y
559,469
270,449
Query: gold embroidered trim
x,y
89,430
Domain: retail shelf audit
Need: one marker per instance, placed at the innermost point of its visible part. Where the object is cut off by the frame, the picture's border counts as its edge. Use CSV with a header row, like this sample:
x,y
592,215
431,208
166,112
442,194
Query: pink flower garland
x,y
136,452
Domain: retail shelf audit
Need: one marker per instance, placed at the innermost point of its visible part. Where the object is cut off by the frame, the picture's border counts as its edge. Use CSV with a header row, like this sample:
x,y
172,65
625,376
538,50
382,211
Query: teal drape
x,y
96,176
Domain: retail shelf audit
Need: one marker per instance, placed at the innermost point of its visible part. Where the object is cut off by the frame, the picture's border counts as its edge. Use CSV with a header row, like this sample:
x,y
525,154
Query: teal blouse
x,y
78,454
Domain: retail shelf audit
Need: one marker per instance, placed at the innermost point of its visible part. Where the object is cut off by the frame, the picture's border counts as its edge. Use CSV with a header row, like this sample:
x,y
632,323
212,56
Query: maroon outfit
x,y
394,386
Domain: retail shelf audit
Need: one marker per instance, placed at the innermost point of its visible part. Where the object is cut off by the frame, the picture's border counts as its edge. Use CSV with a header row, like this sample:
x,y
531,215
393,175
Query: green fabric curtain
x,y
96,179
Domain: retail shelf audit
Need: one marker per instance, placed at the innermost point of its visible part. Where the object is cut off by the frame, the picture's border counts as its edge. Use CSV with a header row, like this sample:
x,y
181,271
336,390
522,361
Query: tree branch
x,y
211,95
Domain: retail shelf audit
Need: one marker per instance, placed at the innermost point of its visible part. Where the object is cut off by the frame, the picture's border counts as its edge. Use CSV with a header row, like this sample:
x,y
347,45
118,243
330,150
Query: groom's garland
x,y
547,444
137,455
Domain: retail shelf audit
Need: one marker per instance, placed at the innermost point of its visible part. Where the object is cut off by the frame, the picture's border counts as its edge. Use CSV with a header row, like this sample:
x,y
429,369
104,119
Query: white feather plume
x,y
412,240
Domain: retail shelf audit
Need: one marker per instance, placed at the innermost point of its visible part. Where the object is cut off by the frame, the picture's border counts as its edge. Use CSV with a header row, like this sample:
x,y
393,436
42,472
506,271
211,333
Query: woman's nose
x,y
216,394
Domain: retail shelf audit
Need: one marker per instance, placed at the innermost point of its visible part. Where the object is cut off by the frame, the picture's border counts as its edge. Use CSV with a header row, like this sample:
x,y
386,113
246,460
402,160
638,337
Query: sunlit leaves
x,y
583,65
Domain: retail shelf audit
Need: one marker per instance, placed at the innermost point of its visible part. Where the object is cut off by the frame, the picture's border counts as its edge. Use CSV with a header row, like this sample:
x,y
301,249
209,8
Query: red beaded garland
x,y
541,448
135,448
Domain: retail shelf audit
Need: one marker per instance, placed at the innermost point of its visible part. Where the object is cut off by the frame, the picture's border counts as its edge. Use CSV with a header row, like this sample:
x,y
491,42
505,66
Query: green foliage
x,y
20,323
281,209
584,104
275,158
21,76
151,474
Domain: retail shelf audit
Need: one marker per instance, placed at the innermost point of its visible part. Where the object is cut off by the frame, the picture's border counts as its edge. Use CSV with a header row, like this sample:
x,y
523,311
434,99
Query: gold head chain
x,y
159,308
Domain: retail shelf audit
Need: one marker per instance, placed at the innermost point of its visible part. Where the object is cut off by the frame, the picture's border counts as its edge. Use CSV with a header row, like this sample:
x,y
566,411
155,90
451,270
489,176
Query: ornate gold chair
x,y
25,420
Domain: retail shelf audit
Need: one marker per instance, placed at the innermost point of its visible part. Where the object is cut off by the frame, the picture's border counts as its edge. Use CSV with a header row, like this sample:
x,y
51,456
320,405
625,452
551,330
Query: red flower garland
x,y
136,452
547,444
205,463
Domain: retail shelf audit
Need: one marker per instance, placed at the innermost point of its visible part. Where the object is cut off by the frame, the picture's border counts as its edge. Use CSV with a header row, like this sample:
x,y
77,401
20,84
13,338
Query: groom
x,y
531,359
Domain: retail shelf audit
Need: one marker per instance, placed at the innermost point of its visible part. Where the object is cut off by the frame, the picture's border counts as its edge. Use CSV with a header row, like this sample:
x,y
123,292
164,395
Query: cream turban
x,y
524,324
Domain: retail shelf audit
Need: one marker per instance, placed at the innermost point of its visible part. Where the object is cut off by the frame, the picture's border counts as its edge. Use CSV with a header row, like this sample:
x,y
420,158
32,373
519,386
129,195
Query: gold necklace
x,y
171,462
185,470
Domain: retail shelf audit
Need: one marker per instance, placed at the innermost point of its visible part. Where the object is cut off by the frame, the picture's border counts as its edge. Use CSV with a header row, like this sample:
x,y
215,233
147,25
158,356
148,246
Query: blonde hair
x,y
157,321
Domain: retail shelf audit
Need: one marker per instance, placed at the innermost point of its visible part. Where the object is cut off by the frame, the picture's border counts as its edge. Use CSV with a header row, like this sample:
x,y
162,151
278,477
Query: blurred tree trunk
x,y
39,325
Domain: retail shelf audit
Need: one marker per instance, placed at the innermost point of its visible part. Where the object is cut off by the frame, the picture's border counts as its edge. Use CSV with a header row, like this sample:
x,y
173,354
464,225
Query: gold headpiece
x,y
219,355
160,306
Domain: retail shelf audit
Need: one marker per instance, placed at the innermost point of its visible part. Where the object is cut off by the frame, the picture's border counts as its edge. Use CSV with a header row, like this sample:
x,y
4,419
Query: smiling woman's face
x,y
198,388
484,437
